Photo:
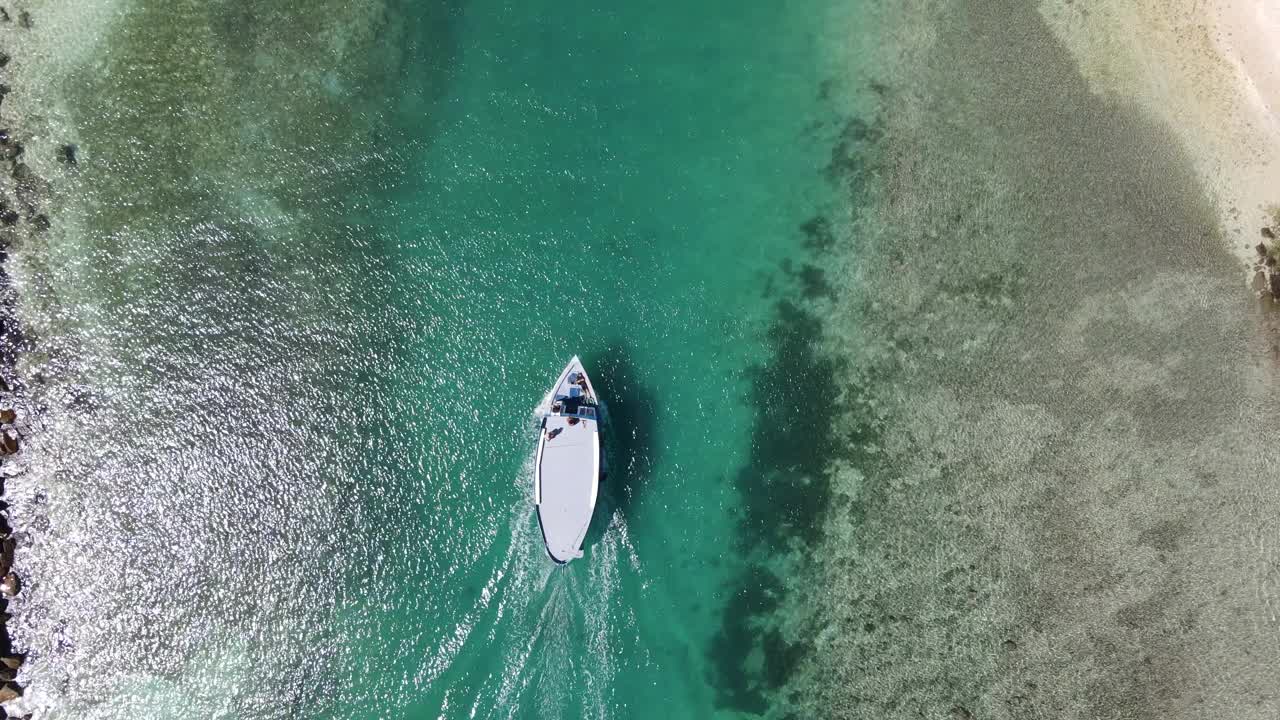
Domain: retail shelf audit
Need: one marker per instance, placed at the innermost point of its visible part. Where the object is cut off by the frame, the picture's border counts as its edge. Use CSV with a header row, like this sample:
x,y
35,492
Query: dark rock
x,y
1259,282
960,712
24,19
11,151
9,218
8,444
1010,645
10,586
8,547
41,222
8,674
8,415
1268,233
12,661
67,153
10,691
1261,249
1269,262
4,59
4,136
1274,287
4,15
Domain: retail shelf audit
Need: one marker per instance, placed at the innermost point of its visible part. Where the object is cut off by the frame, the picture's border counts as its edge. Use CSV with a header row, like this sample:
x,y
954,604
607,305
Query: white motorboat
x,y
567,470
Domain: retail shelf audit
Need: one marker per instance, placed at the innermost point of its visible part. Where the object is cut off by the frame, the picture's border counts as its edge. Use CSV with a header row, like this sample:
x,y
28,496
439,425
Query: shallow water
x,y
1052,500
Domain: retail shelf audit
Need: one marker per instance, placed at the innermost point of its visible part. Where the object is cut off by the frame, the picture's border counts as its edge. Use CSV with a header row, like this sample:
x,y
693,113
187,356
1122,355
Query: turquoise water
x,y
609,189
292,329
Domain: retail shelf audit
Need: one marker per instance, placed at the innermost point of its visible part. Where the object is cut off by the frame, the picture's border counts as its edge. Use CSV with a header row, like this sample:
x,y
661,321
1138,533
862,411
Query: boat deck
x,y
569,470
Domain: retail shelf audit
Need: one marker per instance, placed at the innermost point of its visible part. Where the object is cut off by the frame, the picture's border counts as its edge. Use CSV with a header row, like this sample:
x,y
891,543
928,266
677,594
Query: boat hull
x,y
568,463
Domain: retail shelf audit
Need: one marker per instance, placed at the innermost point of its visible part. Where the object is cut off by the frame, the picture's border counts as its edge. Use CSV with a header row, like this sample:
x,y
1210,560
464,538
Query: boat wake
x,y
539,617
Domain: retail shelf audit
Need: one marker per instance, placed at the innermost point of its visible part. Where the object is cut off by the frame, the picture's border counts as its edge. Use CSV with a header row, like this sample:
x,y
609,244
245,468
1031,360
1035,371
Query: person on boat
x,y
573,420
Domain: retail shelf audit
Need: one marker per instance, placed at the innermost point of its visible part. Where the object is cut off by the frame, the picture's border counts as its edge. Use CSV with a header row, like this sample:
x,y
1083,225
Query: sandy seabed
x,y
1059,501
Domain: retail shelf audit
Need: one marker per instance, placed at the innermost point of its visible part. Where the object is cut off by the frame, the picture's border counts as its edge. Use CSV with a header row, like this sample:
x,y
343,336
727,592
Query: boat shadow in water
x,y
630,420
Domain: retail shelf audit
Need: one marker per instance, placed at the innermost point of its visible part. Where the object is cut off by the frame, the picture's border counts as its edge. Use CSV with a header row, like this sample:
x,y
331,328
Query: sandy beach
x,y
1248,37
1208,70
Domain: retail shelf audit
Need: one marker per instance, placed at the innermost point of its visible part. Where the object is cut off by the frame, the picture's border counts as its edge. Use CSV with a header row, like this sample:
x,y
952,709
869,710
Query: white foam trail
x,y
604,576
562,613
557,627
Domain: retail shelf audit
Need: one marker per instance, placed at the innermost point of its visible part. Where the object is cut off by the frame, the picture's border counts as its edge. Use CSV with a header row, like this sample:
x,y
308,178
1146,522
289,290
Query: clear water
x,y
309,279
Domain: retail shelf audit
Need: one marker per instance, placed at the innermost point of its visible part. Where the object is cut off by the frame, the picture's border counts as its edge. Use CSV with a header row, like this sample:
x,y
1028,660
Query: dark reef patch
x,y
848,164
801,427
819,236
784,492
793,438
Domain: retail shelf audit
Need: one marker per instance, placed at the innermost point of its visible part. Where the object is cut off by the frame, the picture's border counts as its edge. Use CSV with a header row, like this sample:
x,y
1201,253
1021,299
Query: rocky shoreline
x,y
1266,269
23,199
